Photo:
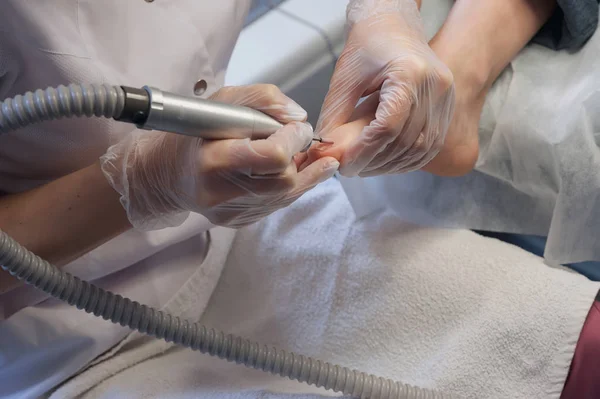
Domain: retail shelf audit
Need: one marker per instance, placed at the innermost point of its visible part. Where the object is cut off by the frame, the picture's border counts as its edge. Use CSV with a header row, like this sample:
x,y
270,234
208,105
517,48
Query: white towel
x,y
441,309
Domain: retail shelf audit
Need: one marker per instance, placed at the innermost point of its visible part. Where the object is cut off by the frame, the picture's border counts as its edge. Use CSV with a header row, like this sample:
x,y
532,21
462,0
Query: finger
x,y
345,134
409,163
300,159
261,185
236,192
267,98
276,152
234,187
259,157
409,147
421,152
397,103
432,147
432,137
416,139
315,173
402,164
345,90
401,150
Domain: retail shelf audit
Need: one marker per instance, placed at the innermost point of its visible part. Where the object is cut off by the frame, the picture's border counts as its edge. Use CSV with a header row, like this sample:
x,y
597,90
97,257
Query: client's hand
x,y
387,53
162,176
473,78
461,147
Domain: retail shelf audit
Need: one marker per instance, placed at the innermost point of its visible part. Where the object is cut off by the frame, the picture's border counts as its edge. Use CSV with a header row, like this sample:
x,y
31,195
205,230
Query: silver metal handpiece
x,y
153,109
206,119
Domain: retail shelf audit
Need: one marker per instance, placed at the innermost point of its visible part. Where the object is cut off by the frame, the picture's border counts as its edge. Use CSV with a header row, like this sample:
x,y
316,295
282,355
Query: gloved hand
x,y
163,176
387,54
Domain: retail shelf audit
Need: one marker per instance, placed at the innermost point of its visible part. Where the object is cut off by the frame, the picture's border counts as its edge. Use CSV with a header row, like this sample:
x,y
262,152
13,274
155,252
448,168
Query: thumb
x,y
345,90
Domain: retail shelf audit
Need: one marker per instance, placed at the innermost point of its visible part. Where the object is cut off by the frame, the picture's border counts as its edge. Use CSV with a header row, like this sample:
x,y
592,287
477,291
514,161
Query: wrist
x,y
153,174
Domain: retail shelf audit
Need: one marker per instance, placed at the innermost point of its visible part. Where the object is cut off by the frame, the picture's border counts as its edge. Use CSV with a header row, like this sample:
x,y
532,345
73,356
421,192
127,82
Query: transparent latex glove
x,y
387,53
163,176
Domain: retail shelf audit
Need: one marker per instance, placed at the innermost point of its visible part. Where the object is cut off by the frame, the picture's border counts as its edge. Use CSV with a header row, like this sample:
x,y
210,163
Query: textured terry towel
x,y
443,309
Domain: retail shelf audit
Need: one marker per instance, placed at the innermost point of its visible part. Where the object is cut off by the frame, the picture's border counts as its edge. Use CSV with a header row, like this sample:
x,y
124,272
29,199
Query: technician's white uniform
x,y
169,44
442,309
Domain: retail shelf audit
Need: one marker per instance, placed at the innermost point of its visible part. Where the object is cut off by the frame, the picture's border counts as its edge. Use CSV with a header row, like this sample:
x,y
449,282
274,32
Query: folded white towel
x,y
442,309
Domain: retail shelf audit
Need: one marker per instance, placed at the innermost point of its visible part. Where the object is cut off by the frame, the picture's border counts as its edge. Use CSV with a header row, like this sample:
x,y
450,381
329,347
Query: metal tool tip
x,y
322,140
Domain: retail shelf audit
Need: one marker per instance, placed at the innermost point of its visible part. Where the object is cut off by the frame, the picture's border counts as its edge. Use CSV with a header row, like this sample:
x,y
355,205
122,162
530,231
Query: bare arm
x,y
477,41
489,32
64,219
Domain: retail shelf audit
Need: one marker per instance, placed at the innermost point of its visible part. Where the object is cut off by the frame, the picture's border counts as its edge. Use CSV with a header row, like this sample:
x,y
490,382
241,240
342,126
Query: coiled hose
x,y
107,101
61,102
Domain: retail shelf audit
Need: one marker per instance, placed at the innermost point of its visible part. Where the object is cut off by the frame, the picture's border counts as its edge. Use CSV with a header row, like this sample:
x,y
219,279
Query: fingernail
x,y
304,133
303,128
335,165
304,164
330,168
295,112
